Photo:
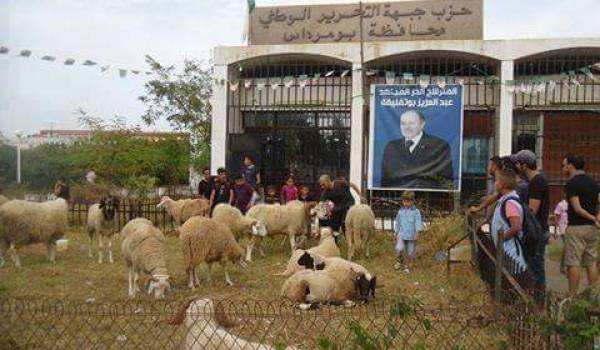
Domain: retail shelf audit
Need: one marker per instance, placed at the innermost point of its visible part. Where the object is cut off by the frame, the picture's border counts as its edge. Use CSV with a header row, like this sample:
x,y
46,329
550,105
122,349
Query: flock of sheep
x,y
314,275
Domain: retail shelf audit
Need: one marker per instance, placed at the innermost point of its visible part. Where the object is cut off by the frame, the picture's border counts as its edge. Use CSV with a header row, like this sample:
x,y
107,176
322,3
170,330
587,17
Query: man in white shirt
x,y
417,160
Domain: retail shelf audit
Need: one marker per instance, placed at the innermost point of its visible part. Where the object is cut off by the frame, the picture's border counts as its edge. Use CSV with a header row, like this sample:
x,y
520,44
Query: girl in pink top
x,y
289,192
561,218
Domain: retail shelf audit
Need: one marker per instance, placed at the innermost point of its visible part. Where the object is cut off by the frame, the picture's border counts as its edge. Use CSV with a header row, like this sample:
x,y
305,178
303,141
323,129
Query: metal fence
x,y
231,324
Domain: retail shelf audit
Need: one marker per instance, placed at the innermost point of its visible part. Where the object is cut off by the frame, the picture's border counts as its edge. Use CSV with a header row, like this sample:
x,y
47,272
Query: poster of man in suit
x,y
416,137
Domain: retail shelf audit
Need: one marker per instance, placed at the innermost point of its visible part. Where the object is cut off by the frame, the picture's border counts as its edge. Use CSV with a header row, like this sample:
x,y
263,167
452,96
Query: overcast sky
x,y
36,94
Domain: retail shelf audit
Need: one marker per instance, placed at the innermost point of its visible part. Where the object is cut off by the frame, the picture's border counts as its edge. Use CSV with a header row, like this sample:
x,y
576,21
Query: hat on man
x,y
408,196
526,157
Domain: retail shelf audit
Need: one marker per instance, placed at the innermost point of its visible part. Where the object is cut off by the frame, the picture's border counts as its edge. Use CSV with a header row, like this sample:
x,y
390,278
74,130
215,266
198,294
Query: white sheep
x,y
204,322
183,209
290,219
102,224
321,286
315,255
209,241
24,223
240,225
360,227
143,249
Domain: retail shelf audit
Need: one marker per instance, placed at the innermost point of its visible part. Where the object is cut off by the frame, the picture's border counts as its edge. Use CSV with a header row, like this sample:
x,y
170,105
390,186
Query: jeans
x,y
537,263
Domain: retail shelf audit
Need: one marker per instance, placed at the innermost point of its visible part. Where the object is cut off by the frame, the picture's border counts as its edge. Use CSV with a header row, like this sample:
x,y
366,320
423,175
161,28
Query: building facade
x,y
320,125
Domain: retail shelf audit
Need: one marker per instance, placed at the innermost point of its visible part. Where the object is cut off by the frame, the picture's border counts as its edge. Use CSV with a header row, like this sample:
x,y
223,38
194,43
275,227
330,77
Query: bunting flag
x,y
25,53
4,50
288,81
49,58
407,76
233,86
104,68
371,72
260,84
390,78
330,73
441,82
316,78
275,85
69,62
302,80
134,71
247,83
122,73
89,63
344,73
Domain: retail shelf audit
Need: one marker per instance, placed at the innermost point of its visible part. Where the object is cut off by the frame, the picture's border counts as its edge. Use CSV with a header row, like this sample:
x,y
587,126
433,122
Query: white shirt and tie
x,y
412,143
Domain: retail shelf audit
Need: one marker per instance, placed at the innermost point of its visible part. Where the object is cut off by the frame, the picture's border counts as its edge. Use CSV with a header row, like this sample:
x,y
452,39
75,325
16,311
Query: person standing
x,y
338,192
243,194
222,191
250,172
61,189
289,191
539,203
205,186
407,228
581,237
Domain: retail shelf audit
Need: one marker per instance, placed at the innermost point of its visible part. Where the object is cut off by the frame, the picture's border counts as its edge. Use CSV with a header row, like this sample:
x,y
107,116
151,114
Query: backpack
x,y
533,233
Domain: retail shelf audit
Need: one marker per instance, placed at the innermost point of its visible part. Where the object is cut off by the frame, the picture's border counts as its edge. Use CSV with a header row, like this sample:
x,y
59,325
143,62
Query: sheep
x,y
205,322
289,219
326,249
24,223
207,240
360,227
183,209
102,224
143,249
128,229
240,225
308,287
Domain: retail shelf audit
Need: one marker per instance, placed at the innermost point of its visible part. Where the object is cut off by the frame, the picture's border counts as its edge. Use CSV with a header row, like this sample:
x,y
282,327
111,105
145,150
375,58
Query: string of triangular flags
x,y
537,84
71,62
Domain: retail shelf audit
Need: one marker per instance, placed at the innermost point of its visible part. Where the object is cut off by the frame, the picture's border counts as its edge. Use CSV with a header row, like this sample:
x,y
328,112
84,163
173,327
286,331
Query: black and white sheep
x,y
102,224
325,249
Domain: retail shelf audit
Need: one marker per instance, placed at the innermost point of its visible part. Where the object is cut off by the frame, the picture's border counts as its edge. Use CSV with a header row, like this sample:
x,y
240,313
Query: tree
x,y
182,99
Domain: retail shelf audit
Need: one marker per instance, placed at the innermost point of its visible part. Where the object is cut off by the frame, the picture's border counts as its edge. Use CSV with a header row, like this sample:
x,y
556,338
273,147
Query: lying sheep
x,y
360,227
23,223
325,287
102,224
207,240
204,322
326,249
290,219
183,209
239,225
143,249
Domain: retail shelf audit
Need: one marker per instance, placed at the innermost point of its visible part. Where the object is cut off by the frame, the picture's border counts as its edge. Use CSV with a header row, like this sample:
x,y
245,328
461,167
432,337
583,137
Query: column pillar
x,y
218,136
507,104
357,127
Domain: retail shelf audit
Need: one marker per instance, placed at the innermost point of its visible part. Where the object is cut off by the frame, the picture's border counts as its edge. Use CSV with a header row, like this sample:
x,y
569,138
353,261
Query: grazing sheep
x,y
290,219
128,229
326,249
143,249
308,286
23,223
204,322
240,225
360,227
207,240
102,224
183,209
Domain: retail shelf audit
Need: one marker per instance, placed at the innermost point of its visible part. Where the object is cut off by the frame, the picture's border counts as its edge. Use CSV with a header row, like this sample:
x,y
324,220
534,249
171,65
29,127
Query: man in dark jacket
x,y
205,186
417,160
338,192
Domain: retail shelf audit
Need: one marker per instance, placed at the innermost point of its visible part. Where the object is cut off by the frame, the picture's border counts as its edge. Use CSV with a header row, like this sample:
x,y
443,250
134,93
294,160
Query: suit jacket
x,y
428,167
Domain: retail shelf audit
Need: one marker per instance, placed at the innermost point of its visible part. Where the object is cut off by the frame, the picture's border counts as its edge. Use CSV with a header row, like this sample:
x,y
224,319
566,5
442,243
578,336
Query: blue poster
x,y
416,137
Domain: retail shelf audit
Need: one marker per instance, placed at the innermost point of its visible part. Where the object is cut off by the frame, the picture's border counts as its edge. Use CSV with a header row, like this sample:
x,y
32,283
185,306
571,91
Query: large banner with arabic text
x,y
416,137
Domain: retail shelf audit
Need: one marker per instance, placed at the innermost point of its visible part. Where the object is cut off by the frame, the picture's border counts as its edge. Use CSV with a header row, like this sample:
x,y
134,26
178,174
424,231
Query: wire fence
x,y
249,324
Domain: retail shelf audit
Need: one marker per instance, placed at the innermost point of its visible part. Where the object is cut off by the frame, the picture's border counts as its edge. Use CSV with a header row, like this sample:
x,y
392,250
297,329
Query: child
x,y
271,196
304,195
243,194
561,220
408,225
289,192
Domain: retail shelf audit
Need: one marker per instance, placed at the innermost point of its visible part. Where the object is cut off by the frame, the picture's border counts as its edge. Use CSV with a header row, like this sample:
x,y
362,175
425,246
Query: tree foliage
x,y
182,99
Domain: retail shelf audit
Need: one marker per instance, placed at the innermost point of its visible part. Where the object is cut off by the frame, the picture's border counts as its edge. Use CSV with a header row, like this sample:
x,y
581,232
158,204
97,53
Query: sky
x,y
36,94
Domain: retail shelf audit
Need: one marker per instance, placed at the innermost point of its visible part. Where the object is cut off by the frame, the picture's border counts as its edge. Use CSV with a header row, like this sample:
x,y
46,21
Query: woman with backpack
x,y
511,221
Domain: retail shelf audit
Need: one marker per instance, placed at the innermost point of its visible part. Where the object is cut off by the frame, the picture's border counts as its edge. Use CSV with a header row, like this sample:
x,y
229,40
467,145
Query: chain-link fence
x,y
235,324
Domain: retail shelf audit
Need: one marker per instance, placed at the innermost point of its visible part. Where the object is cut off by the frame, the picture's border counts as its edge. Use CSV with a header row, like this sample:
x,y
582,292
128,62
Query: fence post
x,y
498,272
